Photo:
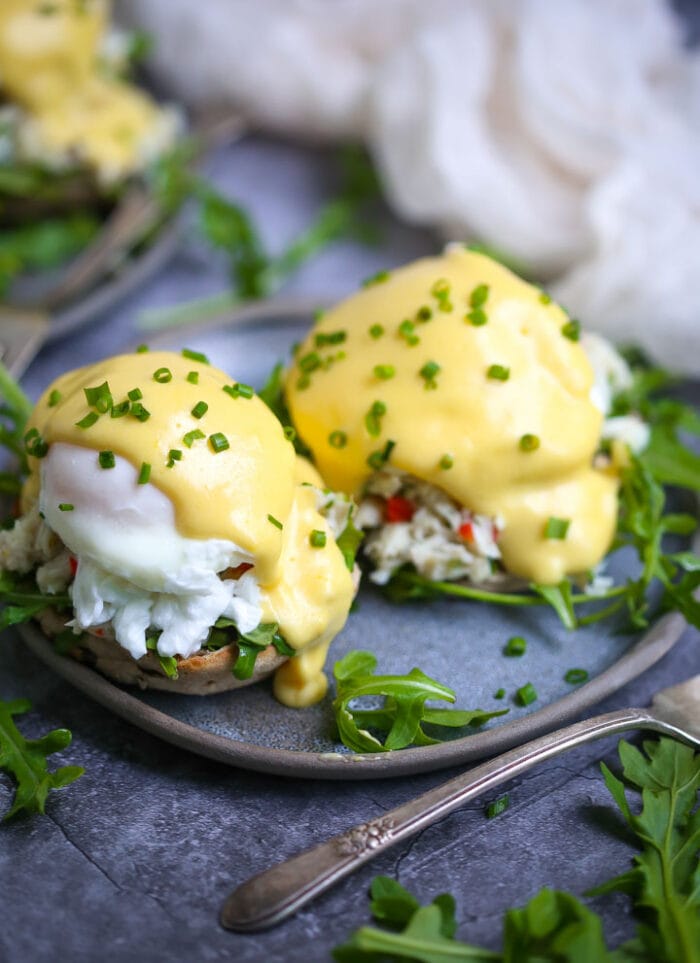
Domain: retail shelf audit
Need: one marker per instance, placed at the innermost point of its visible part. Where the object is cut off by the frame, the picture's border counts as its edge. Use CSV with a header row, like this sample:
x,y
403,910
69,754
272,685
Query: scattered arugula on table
x,y
403,713
26,761
643,522
557,926
254,272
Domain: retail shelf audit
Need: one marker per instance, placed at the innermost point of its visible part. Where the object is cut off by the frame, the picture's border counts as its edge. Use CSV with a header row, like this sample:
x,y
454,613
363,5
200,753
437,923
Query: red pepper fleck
x,y
494,532
399,509
466,531
100,633
73,563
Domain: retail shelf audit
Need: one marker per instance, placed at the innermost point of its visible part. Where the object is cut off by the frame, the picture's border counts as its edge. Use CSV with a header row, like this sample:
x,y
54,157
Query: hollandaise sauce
x,y
50,66
458,372
213,448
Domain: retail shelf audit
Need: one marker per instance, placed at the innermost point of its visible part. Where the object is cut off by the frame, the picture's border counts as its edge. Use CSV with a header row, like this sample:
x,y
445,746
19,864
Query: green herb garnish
x,y
400,721
317,538
106,459
498,372
218,442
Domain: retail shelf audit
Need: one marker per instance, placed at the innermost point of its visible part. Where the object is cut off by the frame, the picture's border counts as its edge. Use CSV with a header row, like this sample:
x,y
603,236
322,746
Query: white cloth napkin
x,y
565,134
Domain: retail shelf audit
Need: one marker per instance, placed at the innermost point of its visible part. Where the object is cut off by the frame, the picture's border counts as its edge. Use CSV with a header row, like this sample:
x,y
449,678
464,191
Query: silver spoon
x,y
273,895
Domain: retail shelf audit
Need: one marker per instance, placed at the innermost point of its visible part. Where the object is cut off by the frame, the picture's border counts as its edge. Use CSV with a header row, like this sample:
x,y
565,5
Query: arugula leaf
x,y
26,761
403,712
664,885
665,880
251,644
254,271
21,600
43,245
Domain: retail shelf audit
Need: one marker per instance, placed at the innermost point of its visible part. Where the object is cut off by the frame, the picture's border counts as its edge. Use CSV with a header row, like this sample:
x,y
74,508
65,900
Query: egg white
x,y
134,569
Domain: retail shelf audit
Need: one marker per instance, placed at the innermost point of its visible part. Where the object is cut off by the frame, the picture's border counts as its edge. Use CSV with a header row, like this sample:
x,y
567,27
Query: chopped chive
x,y
145,473
189,439
376,331
218,442
516,645
428,372
424,313
106,459
384,371
65,507
193,377
377,278
139,412
498,372
238,390
54,398
142,349
99,397
373,418
499,694
173,455
118,411
479,296
497,807
34,444
445,305
545,298
303,382
290,433
331,337
135,394
318,314
529,442
200,409
162,375
317,538
447,461
526,694
441,289
195,356
310,362
556,528
88,421
275,521
572,330
337,439
477,317
406,328
377,459
576,676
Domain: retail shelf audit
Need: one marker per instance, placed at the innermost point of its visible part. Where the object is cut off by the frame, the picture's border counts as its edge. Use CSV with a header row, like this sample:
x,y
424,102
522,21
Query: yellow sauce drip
x,y
477,420
49,65
228,495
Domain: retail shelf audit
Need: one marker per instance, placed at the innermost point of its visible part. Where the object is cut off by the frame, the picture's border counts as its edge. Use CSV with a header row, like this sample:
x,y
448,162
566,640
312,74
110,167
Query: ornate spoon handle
x,y
276,893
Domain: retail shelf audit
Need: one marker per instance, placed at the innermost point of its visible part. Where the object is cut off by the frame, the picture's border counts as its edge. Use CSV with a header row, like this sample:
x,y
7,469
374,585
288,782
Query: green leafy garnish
x,y
556,927
665,880
226,225
272,393
403,713
43,245
25,760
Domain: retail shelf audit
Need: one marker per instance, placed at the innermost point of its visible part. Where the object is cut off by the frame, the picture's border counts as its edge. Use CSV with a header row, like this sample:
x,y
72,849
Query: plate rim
x,y
646,652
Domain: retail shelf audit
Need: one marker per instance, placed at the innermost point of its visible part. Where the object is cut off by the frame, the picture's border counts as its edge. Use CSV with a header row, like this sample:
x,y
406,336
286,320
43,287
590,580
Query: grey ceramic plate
x,y
457,642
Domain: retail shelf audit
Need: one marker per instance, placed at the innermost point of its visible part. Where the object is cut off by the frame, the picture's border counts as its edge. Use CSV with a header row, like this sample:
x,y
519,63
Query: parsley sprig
x,y
403,713
557,926
26,761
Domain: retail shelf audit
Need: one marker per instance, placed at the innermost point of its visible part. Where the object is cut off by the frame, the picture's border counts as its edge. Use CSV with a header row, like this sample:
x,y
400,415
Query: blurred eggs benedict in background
x,y
198,550
467,413
63,102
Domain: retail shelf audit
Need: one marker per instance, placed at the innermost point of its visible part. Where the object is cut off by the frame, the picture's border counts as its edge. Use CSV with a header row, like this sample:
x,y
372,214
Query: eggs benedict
x,y
170,505
65,102
460,405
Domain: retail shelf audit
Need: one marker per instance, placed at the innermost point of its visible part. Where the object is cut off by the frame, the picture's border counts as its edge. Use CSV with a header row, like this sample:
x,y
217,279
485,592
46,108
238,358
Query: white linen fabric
x,y
564,134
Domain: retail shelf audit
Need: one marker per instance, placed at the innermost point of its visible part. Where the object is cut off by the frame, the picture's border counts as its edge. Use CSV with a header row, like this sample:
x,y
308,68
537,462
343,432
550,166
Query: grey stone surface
x,y
133,861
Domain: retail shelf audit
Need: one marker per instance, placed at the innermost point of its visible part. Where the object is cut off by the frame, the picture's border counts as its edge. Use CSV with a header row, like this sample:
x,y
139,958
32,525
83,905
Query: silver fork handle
x,y
273,895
